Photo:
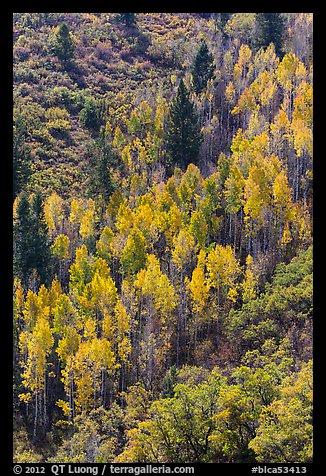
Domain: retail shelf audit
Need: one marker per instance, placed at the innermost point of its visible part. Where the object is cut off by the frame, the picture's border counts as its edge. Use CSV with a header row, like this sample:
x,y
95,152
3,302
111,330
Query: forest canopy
x,y
163,249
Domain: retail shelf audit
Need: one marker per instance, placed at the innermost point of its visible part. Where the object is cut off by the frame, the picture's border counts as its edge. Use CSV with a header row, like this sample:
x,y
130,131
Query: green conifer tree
x,y
40,248
183,136
22,260
202,69
270,29
100,174
90,115
21,159
64,45
129,19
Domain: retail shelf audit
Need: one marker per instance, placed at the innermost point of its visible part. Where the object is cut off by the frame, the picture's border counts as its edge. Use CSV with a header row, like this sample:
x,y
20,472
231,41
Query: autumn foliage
x,y
162,237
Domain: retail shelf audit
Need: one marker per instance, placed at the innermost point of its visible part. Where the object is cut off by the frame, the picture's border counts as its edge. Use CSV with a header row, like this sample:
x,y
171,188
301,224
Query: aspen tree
x,y
199,287
37,345
224,270
182,256
53,213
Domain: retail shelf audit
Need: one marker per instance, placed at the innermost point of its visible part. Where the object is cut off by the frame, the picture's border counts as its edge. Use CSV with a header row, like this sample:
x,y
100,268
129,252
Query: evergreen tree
x,y
224,18
64,45
183,136
30,235
90,115
202,69
22,260
103,157
129,19
270,29
169,382
40,249
21,159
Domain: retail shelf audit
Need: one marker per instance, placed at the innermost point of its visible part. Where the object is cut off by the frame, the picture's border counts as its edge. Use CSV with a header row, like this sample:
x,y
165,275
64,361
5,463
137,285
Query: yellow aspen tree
x,y
223,270
279,129
104,291
183,249
282,194
233,193
123,331
175,221
134,253
301,134
198,227
19,299
247,102
100,293
66,349
76,211
53,213
182,255
93,358
32,310
290,72
113,206
124,219
119,139
121,338
37,345
157,300
256,200
103,245
80,270
161,113
230,94
64,314
199,287
144,219
88,221
60,248
250,282
126,158
244,57
156,285
83,377
266,59
190,187
55,292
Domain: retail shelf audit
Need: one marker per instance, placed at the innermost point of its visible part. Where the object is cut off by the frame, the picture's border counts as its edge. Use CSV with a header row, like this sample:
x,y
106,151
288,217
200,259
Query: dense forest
x,y
162,203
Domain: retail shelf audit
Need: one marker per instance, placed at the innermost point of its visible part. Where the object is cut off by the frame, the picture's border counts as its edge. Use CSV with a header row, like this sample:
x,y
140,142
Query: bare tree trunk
x,y
44,405
35,417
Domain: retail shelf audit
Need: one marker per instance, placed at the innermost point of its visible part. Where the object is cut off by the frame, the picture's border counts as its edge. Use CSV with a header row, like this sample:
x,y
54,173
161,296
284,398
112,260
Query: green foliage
x,y
134,255
31,250
64,44
40,248
22,241
286,304
183,136
21,159
103,159
285,426
129,19
202,69
270,30
179,427
89,116
97,438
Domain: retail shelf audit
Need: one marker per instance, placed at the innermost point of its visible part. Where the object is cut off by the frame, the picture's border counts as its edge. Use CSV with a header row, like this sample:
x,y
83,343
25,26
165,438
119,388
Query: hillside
x,y
163,237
